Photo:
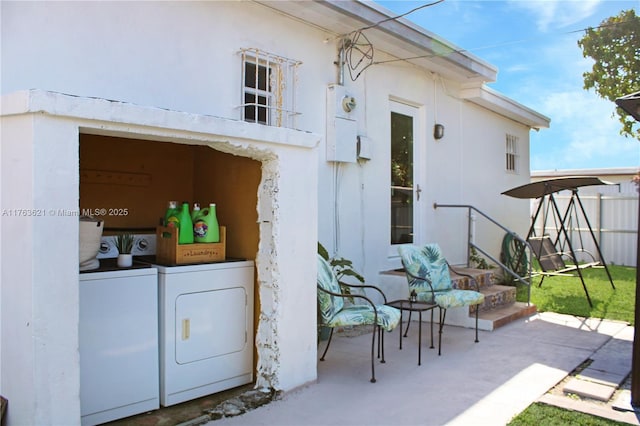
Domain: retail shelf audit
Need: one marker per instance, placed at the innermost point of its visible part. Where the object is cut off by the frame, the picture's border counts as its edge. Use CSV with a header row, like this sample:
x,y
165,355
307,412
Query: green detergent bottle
x,y
205,226
171,215
185,236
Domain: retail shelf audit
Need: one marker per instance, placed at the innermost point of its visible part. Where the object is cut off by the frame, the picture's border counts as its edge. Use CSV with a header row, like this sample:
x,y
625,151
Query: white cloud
x,y
517,68
553,14
555,66
583,134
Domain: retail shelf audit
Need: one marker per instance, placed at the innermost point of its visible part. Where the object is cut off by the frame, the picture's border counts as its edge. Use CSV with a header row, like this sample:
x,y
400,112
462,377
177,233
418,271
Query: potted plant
x,y
341,267
124,244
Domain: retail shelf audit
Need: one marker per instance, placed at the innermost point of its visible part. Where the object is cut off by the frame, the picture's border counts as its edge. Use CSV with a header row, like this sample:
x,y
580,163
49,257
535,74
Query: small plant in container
x,y
124,245
341,267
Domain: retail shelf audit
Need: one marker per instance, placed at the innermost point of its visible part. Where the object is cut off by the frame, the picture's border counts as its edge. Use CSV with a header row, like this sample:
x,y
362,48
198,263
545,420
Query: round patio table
x,y
414,306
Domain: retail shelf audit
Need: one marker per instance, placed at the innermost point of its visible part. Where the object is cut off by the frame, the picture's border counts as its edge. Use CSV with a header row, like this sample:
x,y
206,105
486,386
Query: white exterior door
x,y
406,176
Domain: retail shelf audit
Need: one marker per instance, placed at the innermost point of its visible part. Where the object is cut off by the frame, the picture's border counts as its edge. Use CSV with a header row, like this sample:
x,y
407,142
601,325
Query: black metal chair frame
x,y
442,311
376,327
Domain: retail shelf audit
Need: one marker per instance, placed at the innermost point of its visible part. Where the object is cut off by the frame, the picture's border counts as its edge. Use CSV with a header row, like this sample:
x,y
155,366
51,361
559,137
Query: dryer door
x,y
210,324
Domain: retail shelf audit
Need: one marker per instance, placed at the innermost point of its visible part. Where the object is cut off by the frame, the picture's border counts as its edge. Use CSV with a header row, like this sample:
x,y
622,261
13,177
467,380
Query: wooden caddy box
x,y
169,252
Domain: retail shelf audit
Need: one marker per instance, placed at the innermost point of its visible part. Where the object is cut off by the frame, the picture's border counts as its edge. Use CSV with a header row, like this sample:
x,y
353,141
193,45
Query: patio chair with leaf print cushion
x,y
335,313
428,274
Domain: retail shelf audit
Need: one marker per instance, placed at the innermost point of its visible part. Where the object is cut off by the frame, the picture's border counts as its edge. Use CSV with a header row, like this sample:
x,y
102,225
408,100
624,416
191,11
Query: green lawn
x,y
538,414
565,294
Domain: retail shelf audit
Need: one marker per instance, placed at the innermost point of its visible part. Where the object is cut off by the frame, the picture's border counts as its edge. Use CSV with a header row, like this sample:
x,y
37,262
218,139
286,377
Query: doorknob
x,y
418,191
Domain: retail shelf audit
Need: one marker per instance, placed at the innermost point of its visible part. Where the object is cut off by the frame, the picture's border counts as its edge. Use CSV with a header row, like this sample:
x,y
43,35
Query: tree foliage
x,y
615,48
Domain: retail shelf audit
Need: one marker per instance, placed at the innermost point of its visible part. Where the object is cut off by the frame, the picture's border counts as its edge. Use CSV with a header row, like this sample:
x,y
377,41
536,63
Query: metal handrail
x,y
526,281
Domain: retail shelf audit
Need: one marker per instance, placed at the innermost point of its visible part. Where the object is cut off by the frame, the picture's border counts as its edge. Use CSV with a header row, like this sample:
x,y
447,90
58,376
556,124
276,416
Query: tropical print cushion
x,y
329,305
455,298
451,298
388,317
335,314
425,296
426,262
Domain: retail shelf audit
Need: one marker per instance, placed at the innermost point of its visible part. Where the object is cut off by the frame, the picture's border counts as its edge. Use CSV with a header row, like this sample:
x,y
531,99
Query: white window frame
x,y
416,112
278,92
512,156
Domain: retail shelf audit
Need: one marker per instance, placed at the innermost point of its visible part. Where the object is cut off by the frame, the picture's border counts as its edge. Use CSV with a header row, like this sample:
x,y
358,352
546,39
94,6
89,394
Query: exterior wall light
x,y
438,131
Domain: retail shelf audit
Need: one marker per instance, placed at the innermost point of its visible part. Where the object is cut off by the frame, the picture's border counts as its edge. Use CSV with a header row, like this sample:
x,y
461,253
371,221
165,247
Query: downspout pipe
x,y
340,63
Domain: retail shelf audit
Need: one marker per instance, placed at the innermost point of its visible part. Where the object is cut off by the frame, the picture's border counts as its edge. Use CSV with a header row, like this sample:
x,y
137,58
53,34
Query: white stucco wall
x,y
181,55
486,178
467,166
40,137
40,374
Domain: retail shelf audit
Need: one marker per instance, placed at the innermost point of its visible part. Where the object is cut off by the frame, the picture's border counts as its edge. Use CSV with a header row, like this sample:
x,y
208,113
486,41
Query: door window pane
x,y
401,178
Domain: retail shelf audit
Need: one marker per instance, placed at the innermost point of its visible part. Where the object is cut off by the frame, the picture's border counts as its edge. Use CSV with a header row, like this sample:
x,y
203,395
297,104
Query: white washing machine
x,y
118,338
206,329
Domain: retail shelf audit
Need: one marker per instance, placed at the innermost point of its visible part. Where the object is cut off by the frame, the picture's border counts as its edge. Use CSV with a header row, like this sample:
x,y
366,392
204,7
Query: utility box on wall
x,y
342,128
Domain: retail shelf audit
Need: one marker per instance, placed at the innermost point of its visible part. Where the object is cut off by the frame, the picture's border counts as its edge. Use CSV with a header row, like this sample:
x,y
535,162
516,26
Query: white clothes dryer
x,y
206,329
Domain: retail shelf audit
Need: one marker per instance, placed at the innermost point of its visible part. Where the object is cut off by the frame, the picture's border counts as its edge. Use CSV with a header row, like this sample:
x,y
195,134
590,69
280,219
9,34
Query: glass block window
x,y
268,88
511,154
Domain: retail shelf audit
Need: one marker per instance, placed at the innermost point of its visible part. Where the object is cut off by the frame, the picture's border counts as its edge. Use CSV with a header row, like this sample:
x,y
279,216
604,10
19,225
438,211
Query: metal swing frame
x,y
552,260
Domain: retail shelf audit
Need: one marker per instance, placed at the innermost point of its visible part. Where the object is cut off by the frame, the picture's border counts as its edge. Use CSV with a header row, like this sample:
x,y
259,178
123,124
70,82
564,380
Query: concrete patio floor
x,y
485,383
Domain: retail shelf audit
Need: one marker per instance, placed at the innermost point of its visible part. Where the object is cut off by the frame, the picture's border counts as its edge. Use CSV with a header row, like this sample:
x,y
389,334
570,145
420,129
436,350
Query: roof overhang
x,y
400,38
503,105
611,171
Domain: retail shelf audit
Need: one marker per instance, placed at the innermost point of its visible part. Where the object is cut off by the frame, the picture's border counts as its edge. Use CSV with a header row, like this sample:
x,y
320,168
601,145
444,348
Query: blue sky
x,y
540,65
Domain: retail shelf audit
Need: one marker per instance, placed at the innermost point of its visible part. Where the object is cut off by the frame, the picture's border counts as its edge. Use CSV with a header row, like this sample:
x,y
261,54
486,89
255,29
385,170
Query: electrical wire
x,y
358,50
492,46
393,18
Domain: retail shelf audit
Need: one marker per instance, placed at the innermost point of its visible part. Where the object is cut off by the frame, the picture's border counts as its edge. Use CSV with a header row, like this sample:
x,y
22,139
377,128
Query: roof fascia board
x,y
412,33
425,47
503,105
611,171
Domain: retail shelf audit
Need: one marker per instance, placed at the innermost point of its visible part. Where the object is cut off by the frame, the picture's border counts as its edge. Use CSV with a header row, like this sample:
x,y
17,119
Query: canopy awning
x,y
549,186
631,104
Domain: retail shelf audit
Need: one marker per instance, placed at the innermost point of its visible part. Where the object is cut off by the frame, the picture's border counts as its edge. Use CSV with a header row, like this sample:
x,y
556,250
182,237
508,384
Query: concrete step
x,y
497,296
484,278
498,309
500,316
